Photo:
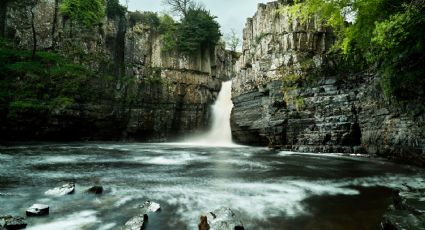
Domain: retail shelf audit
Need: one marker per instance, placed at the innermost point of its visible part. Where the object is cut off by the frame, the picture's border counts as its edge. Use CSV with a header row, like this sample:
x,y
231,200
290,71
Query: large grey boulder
x,y
139,221
65,189
221,219
38,210
12,222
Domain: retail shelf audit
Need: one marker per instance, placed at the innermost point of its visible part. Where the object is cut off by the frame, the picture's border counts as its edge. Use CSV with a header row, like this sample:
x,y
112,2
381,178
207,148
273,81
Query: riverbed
x,y
268,189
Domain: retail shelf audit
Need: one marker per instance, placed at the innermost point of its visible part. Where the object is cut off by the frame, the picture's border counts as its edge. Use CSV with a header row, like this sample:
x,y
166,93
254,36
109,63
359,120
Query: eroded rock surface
x,y
220,219
12,222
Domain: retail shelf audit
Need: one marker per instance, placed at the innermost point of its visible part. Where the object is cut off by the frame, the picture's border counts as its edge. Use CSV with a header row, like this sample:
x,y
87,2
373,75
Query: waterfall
x,y
220,133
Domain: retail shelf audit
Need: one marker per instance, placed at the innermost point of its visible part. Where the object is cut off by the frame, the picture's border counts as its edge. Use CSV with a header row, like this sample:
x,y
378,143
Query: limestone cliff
x,y
151,94
285,96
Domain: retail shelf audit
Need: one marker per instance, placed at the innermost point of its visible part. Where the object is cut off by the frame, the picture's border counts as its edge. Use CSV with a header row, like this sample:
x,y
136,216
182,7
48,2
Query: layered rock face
x,y
284,96
152,94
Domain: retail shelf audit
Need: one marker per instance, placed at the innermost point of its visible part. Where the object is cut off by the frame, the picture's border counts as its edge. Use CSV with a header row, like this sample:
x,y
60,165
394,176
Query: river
x,y
268,189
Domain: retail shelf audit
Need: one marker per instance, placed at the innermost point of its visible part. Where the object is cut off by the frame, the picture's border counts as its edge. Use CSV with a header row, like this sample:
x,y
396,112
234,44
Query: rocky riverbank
x,y
288,94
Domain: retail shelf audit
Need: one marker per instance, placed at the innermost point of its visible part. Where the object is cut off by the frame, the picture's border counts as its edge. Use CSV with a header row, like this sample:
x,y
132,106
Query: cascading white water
x,y
220,133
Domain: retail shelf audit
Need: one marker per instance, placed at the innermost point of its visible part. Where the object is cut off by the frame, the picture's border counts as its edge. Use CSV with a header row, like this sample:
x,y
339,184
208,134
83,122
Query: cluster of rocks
x,y
38,210
407,210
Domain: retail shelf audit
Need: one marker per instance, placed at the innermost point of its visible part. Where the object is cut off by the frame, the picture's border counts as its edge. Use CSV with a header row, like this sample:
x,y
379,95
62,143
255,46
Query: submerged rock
x,y
95,190
406,212
65,189
12,222
38,210
138,222
221,219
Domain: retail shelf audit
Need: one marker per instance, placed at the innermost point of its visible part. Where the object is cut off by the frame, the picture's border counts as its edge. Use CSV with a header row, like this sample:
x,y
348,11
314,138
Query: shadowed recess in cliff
x,y
220,133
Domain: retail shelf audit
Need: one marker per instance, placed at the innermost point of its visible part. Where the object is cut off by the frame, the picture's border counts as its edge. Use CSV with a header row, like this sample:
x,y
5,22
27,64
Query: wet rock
x,y
150,206
136,223
38,210
221,219
12,222
406,212
203,225
95,190
139,221
65,189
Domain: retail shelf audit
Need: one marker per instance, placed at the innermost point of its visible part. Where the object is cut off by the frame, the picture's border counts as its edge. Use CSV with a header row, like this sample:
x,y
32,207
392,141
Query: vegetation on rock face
x,y
87,12
388,34
46,81
115,9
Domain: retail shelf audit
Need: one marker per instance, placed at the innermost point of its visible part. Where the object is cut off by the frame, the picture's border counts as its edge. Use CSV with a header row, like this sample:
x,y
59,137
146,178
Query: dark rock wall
x,y
152,95
279,103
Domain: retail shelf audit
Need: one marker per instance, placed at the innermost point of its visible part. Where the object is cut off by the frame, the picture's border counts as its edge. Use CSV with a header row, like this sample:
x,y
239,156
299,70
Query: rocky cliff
x,y
150,95
285,95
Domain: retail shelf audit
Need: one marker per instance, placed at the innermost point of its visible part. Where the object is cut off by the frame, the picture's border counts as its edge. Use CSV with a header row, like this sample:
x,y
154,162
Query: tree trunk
x,y
3,12
55,21
34,36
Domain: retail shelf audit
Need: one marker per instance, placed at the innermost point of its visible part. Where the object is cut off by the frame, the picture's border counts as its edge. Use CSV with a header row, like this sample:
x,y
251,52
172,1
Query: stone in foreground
x,y
150,206
12,222
138,222
38,210
65,189
406,212
221,219
95,190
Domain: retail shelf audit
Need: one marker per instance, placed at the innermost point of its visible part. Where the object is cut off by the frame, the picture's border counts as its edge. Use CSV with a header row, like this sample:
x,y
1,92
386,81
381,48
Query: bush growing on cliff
x,y
384,33
148,18
115,9
87,12
41,82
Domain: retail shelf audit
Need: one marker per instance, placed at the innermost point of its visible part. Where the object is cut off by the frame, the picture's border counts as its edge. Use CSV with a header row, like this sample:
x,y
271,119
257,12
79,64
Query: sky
x,y
231,14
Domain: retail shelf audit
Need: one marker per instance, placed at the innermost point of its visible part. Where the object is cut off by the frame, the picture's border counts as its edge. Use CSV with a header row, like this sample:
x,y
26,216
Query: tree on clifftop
x,y
180,6
87,12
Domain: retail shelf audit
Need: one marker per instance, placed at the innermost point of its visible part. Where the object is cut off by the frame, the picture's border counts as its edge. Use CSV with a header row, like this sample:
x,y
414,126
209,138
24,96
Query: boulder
x,y
203,225
150,206
38,210
95,190
139,221
405,212
65,189
221,219
12,222
136,223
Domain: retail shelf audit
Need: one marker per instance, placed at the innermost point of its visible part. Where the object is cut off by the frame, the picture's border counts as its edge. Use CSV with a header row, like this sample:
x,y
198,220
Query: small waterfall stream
x,y
220,133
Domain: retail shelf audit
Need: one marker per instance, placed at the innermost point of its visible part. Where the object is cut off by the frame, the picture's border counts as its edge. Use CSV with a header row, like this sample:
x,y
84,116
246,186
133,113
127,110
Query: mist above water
x,y
220,133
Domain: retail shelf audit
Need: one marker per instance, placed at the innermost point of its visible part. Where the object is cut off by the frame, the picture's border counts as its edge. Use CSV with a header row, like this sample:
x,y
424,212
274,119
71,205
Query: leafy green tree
x,y
115,9
386,33
197,30
233,41
87,12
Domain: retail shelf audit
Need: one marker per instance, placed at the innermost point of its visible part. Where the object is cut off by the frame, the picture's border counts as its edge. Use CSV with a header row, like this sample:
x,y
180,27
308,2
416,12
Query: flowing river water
x,y
268,189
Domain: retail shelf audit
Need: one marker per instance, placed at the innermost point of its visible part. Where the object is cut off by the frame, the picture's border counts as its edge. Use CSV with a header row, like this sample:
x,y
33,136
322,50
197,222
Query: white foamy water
x,y
73,221
220,133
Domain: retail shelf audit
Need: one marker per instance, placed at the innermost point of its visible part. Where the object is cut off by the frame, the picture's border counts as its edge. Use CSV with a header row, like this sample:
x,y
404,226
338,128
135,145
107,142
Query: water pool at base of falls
x,y
267,189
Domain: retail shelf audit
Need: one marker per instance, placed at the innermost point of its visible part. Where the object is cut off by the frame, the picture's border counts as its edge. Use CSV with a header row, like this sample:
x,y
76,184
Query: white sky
x,y
231,14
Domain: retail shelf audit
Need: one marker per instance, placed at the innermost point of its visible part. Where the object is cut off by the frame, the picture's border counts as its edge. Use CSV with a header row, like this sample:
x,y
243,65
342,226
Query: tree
x,y
180,7
115,9
388,34
197,30
34,34
55,21
3,11
232,40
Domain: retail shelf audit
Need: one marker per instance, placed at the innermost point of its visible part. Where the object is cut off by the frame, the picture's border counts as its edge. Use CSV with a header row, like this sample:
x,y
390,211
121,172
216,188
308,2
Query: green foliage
x,y
168,27
41,83
147,18
115,9
87,12
260,37
197,29
384,33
